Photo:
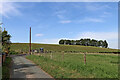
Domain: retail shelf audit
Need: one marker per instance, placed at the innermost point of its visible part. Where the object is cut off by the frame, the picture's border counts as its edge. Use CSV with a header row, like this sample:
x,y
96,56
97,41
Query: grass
x,y
24,47
72,65
6,68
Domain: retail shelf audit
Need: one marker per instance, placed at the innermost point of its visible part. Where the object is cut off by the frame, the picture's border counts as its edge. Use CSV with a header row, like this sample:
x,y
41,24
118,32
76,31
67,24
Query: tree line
x,y
85,42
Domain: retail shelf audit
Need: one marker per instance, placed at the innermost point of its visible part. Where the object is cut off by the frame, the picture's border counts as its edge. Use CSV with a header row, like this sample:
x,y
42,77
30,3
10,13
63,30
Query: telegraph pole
x,y
30,42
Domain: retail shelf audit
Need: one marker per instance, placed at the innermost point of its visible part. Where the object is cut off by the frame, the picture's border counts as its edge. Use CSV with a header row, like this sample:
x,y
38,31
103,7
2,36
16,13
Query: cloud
x,y
105,14
39,35
111,37
60,16
113,44
60,13
99,35
98,20
9,9
65,21
48,41
96,7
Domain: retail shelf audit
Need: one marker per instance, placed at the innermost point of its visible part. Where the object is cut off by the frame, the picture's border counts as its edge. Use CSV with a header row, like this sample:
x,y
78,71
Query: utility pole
x,y
30,42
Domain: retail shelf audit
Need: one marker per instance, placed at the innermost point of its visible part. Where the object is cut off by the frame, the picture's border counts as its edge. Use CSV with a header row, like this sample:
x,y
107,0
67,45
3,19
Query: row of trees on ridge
x,y
85,42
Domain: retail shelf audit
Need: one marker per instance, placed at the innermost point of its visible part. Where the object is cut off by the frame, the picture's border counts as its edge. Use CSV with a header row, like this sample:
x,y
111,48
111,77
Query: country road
x,y
23,68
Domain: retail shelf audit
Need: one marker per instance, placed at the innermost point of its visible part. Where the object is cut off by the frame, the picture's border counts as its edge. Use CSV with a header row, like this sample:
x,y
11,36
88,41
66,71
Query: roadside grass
x,y
72,65
6,68
24,47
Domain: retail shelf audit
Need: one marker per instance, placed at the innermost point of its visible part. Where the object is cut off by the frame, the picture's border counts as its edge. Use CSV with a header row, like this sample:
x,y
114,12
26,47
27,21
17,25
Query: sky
x,y
52,21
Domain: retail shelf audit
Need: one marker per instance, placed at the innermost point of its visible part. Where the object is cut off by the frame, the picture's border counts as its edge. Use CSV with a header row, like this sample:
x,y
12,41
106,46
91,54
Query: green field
x,y
52,47
72,65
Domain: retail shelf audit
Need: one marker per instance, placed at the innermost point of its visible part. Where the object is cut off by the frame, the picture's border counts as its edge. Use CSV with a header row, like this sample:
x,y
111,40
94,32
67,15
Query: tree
x,y
72,42
82,42
61,41
85,42
6,41
101,43
105,44
68,42
77,42
88,42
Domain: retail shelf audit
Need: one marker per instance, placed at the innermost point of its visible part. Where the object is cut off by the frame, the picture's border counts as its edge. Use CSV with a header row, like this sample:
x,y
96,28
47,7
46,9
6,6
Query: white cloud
x,y
60,16
96,7
111,37
98,35
9,9
39,35
60,13
48,41
106,14
113,44
65,21
91,20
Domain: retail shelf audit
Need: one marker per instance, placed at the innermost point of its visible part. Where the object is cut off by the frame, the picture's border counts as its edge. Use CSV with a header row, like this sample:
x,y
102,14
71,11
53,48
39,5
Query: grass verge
x,y
6,68
97,66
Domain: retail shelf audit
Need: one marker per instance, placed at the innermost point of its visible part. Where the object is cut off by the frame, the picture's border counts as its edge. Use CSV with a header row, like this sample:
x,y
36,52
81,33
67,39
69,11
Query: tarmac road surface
x,y
23,68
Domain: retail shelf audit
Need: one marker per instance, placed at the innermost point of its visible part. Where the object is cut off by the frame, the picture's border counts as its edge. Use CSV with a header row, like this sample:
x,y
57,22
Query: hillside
x,y
52,47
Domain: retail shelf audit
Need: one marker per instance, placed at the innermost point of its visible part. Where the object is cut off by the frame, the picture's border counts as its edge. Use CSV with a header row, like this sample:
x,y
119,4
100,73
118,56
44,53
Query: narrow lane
x,y
23,68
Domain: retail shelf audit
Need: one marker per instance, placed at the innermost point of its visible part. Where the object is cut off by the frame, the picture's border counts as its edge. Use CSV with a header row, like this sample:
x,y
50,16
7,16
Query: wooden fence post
x,y
51,56
63,55
84,58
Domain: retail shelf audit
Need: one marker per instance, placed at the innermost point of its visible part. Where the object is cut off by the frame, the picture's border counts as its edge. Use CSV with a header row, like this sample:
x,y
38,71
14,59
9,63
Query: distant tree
x,y
77,42
61,41
85,42
82,42
99,44
6,41
95,42
92,42
72,42
105,44
88,42
68,42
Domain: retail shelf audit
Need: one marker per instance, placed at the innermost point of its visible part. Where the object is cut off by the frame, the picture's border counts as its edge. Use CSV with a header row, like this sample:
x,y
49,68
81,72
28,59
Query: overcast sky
x,y
52,21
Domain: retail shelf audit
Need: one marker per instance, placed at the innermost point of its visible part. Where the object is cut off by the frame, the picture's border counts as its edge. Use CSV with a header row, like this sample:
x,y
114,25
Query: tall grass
x,y
72,65
6,68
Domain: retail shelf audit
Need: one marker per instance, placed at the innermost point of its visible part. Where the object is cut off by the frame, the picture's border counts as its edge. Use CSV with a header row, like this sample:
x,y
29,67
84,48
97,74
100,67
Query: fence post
x,y
51,56
63,55
84,58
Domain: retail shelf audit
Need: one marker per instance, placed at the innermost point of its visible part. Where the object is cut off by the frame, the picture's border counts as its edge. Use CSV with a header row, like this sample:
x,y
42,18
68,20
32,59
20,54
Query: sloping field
x,y
52,47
